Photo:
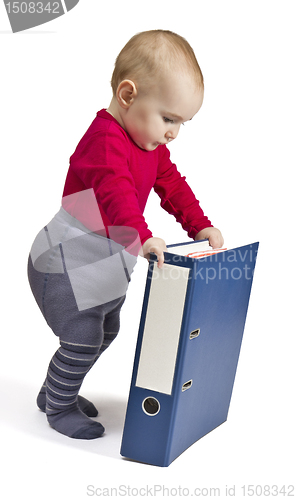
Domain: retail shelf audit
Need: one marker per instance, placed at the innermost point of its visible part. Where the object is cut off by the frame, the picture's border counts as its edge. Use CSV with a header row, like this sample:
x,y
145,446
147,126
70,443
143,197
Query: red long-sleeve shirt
x,y
122,175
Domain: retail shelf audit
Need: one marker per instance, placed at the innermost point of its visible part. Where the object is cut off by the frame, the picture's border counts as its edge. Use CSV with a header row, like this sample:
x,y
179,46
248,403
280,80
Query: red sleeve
x,y
102,162
177,197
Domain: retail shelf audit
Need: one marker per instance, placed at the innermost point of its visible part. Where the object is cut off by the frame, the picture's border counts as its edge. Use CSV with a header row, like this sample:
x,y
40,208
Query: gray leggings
x,y
54,295
84,335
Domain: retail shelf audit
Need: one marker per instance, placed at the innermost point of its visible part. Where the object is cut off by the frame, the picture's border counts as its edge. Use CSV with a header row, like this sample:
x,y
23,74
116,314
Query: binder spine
x,y
162,328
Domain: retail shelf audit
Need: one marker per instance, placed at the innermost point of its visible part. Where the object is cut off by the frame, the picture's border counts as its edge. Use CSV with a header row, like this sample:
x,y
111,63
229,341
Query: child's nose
x,y
172,134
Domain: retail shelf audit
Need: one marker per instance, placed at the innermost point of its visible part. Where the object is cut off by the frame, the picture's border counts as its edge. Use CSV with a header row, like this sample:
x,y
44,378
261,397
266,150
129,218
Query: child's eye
x,y
167,120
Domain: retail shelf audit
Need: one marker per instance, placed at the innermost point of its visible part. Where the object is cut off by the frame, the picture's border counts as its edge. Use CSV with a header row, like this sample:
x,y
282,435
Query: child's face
x,y
155,118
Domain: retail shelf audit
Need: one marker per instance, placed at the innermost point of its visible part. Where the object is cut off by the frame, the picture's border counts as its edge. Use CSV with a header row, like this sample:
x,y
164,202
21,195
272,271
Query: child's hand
x,y
155,245
212,234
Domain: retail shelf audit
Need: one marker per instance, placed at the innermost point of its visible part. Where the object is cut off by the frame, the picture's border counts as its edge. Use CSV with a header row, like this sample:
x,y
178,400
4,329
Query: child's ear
x,y
126,93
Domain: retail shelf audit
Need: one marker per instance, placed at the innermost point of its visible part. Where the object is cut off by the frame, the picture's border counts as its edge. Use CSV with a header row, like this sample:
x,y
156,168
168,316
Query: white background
x,y
238,155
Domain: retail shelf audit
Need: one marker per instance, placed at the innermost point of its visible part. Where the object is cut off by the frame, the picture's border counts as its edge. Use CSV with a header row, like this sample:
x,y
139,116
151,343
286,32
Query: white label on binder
x,y
161,334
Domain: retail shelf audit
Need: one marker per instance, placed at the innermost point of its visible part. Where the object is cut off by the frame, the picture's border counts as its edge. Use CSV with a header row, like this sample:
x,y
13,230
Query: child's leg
x,y
38,282
81,337
111,329
81,345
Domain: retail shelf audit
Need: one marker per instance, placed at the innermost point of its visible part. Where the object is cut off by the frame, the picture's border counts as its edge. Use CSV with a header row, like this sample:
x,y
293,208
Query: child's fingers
x,y
160,256
216,240
160,259
157,246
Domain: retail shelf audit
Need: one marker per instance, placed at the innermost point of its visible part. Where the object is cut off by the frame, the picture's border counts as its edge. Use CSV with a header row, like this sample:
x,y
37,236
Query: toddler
x,y
80,263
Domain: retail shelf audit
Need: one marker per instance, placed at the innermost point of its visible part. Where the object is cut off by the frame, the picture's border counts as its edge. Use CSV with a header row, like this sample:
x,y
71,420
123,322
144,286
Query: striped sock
x,y
84,405
66,372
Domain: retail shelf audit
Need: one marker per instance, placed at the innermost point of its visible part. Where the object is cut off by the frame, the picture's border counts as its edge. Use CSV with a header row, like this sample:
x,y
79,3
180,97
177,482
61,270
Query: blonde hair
x,y
154,52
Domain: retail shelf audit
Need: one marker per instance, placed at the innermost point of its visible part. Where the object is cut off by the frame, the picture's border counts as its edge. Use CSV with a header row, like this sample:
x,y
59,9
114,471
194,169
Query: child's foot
x,y
74,423
87,407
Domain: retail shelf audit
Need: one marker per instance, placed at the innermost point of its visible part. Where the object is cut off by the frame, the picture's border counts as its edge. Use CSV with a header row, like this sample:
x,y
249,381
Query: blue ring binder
x,y
189,340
